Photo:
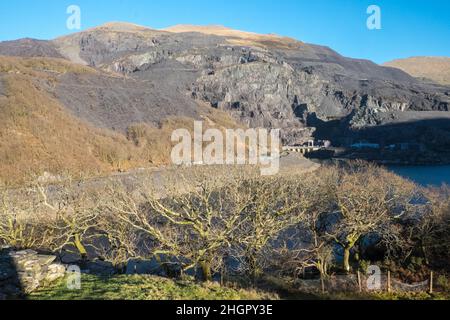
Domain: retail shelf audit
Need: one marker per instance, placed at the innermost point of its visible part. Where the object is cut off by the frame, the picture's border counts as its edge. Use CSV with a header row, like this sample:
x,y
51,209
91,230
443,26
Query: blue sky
x,y
409,27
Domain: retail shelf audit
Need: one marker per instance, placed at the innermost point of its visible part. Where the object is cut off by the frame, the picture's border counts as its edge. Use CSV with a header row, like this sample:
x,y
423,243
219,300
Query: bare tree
x,y
368,198
430,230
59,217
191,218
308,245
278,204
318,250
21,226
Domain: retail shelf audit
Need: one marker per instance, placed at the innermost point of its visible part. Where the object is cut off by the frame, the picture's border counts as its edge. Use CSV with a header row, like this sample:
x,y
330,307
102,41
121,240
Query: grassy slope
x,y
37,134
136,287
434,68
142,288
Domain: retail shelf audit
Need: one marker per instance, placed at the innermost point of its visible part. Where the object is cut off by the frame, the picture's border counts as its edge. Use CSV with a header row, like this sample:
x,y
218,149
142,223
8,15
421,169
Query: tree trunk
x,y
206,270
252,262
347,258
80,247
424,252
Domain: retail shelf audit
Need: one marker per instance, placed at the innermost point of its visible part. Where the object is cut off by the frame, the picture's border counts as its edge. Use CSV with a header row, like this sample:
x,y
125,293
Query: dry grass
x,y
154,143
38,135
434,68
40,67
241,38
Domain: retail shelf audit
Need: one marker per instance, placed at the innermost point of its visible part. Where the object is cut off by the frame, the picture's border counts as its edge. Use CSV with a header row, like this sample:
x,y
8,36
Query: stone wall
x,y
22,272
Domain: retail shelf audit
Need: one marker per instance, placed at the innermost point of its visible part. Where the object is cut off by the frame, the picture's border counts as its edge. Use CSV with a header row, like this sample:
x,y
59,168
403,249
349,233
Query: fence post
x,y
431,282
389,281
359,281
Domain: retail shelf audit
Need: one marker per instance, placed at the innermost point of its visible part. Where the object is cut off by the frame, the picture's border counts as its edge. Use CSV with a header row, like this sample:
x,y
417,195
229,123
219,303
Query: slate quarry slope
x,y
261,80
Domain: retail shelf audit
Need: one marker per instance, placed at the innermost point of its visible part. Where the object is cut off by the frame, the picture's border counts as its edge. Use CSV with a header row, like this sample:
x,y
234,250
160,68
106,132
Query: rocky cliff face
x,y
262,80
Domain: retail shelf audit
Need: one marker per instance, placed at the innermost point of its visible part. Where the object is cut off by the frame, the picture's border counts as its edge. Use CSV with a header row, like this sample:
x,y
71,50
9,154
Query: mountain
x,y
222,66
238,37
60,117
433,68
124,87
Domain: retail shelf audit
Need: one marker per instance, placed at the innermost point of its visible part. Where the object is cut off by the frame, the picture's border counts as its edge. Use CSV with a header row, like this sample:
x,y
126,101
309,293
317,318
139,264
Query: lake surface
x,y
424,175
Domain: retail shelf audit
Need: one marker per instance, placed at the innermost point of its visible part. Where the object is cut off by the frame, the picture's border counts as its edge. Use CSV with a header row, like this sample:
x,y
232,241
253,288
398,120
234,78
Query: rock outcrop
x,y
22,272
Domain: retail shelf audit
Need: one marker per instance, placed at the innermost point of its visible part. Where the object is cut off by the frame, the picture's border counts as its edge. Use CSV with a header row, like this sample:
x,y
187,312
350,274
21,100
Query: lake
x,y
424,175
